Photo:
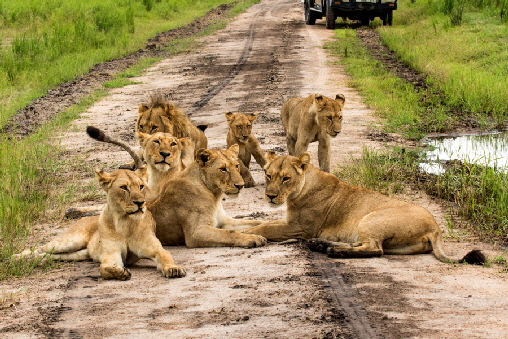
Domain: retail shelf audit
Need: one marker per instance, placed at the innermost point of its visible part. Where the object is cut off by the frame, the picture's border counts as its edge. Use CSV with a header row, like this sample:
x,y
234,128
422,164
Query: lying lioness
x,y
123,234
189,211
346,221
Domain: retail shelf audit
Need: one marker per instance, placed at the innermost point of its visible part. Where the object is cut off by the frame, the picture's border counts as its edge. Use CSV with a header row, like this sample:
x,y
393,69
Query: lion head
x,y
284,176
220,169
240,125
163,151
329,113
126,191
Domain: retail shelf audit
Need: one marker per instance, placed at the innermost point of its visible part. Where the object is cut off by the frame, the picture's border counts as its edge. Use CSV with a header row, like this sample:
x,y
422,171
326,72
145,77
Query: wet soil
x,y
262,58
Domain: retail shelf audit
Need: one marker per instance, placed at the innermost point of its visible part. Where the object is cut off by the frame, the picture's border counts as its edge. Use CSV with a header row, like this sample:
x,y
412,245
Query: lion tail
x,y
99,135
474,257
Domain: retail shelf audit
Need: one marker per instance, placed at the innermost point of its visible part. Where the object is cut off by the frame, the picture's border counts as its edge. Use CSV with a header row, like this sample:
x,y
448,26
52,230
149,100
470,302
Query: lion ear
x,y
105,179
142,172
302,163
142,138
320,100
234,150
169,109
252,117
341,99
203,156
143,108
229,117
270,156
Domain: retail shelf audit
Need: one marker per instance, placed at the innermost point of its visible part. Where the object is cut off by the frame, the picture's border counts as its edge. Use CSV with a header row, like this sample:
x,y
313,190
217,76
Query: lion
x,y
315,118
346,221
123,234
163,155
240,132
188,210
162,116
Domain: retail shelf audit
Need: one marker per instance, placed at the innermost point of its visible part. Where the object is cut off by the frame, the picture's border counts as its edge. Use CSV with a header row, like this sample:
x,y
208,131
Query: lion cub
x,y
315,118
123,234
346,221
240,133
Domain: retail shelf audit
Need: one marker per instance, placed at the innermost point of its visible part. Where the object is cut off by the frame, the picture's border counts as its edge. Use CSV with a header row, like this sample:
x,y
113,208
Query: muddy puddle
x,y
490,149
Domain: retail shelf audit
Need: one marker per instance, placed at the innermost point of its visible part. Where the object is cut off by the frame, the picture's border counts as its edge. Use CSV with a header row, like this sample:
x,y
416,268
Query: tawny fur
x,y
163,116
188,210
315,118
342,220
240,133
123,234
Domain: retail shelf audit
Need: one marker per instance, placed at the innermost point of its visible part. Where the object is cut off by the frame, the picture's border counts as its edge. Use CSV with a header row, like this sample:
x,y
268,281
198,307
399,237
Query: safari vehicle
x,y
361,10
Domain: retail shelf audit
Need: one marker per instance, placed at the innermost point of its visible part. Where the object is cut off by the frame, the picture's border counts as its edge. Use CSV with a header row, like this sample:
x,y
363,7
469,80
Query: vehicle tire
x,y
310,17
384,18
389,18
364,21
330,17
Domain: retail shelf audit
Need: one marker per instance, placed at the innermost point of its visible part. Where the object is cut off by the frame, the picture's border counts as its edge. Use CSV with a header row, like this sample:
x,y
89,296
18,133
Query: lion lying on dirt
x,y
346,221
162,116
315,118
240,132
188,210
123,234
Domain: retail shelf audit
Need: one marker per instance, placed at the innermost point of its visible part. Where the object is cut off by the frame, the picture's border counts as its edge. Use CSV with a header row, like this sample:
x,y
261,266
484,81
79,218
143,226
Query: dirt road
x,y
263,57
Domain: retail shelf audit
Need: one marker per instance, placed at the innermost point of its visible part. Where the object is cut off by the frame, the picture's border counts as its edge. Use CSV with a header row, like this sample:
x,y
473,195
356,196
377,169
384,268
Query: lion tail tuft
x,y
95,133
475,257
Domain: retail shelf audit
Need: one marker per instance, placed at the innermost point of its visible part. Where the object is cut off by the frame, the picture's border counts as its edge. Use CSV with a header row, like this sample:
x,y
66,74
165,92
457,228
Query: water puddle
x,y
482,149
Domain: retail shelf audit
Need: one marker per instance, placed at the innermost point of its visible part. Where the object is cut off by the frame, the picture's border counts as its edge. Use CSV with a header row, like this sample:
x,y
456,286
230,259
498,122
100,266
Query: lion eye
x,y
223,169
124,187
157,142
285,179
330,118
141,127
173,144
269,177
249,126
239,126
154,128
141,187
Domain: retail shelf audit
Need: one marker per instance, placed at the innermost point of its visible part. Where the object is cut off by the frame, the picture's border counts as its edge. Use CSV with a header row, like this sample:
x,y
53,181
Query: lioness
x,y
346,221
163,155
162,116
123,234
315,118
240,132
188,209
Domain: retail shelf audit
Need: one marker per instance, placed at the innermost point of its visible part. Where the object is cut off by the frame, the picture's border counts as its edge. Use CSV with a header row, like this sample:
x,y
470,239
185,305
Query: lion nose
x,y
239,186
140,203
165,154
271,197
336,132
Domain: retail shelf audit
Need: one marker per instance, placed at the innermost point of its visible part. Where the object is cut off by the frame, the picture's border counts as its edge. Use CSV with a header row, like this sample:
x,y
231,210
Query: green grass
x,y
466,59
45,43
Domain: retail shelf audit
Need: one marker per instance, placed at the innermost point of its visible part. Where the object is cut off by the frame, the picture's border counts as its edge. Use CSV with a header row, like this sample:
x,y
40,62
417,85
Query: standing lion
x,y
315,118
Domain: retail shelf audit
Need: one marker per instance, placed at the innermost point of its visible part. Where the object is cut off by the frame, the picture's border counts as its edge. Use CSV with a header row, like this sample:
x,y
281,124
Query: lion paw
x,y
115,272
249,183
319,245
254,241
174,272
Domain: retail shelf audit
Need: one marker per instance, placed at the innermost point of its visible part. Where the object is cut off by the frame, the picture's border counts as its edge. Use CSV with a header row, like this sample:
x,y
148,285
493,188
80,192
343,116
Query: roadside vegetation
x,y
460,46
43,44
